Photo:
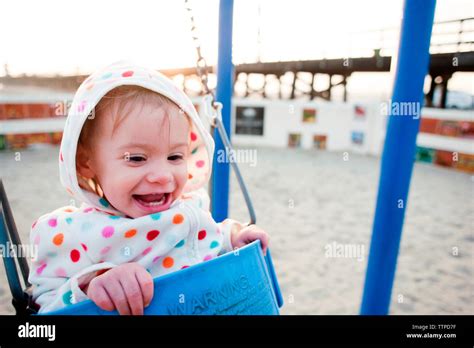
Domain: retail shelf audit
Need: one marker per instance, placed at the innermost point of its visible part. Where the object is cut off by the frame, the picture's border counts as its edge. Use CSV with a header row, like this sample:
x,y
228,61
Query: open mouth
x,y
153,202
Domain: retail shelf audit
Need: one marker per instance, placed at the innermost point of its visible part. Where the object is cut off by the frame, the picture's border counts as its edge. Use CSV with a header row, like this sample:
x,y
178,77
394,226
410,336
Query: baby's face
x,y
142,165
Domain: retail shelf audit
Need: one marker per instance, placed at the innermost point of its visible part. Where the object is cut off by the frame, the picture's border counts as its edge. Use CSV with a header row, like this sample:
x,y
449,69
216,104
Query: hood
x,y
88,96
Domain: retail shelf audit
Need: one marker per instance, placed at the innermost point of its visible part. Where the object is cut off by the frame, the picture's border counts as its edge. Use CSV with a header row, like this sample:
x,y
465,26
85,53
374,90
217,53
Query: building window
x,y
309,115
319,142
249,120
357,138
359,112
294,140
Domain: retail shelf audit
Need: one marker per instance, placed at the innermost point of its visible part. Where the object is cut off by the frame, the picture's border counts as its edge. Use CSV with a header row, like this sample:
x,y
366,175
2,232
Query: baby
x,y
136,154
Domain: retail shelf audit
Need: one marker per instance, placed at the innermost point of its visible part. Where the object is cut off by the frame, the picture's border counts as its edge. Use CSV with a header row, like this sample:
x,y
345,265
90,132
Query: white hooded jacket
x,y
75,244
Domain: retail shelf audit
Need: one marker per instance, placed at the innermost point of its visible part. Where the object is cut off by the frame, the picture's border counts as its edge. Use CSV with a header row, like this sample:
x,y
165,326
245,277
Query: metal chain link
x,y
215,116
201,65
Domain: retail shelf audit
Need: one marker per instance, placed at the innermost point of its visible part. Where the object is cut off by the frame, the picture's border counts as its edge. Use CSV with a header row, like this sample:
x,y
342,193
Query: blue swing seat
x,y
242,282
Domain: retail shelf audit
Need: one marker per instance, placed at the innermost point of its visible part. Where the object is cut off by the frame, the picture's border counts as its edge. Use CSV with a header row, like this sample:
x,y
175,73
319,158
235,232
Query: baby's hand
x,y
245,235
127,288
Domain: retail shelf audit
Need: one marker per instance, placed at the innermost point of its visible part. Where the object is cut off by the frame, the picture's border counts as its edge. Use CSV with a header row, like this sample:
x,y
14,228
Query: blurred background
x,y
312,86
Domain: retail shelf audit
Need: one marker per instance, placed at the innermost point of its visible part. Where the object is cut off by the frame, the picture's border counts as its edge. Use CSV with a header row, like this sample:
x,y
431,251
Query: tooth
x,y
161,201
155,203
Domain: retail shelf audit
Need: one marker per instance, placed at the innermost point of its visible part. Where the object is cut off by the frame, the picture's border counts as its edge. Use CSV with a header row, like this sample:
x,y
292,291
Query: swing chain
x,y
201,64
214,111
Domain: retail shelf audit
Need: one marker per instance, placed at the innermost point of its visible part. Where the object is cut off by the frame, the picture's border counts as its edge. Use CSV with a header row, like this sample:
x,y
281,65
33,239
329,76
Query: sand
x,y
313,203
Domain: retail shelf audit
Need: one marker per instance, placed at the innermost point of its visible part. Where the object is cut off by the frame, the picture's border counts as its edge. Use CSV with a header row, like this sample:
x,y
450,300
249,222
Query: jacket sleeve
x,y
226,227
212,238
60,266
200,199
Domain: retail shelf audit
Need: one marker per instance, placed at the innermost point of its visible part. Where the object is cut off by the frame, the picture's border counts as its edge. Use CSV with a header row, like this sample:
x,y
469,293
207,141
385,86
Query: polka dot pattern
x,y
53,222
146,251
103,202
60,272
67,296
130,233
41,268
107,231
155,216
152,235
58,239
168,262
202,234
178,219
105,250
200,163
75,255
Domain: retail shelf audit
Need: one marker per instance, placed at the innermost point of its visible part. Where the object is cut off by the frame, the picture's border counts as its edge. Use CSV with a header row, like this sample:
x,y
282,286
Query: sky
x,y
68,37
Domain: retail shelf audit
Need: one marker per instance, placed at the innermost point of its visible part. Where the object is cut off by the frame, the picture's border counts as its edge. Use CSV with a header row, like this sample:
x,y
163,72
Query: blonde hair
x,y
118,102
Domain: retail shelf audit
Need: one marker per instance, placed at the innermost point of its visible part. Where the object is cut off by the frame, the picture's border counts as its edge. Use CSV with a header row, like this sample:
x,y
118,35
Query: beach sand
x,y
312,203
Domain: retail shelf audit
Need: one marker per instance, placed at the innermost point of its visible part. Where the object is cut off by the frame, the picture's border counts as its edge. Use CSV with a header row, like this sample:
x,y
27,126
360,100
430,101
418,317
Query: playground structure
x,y
397,160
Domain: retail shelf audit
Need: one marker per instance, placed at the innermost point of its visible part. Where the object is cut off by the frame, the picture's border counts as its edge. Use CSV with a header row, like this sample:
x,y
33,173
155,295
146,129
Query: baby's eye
x,y
175,157
135,158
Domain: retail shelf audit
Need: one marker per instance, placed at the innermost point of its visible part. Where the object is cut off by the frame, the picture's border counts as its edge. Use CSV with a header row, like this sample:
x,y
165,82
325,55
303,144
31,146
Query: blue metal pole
x,y
398,154
220,177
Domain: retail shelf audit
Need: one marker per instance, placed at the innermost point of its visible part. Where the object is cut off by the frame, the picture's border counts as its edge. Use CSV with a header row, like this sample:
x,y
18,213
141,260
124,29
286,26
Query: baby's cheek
x,y
119,185
182,177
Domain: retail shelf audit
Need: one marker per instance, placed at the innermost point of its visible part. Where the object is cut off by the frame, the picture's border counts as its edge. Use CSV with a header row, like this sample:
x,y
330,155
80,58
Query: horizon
x,y
68,51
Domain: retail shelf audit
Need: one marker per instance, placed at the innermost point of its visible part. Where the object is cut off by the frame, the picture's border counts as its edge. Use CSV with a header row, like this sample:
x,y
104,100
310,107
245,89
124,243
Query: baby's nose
x,y
161,178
